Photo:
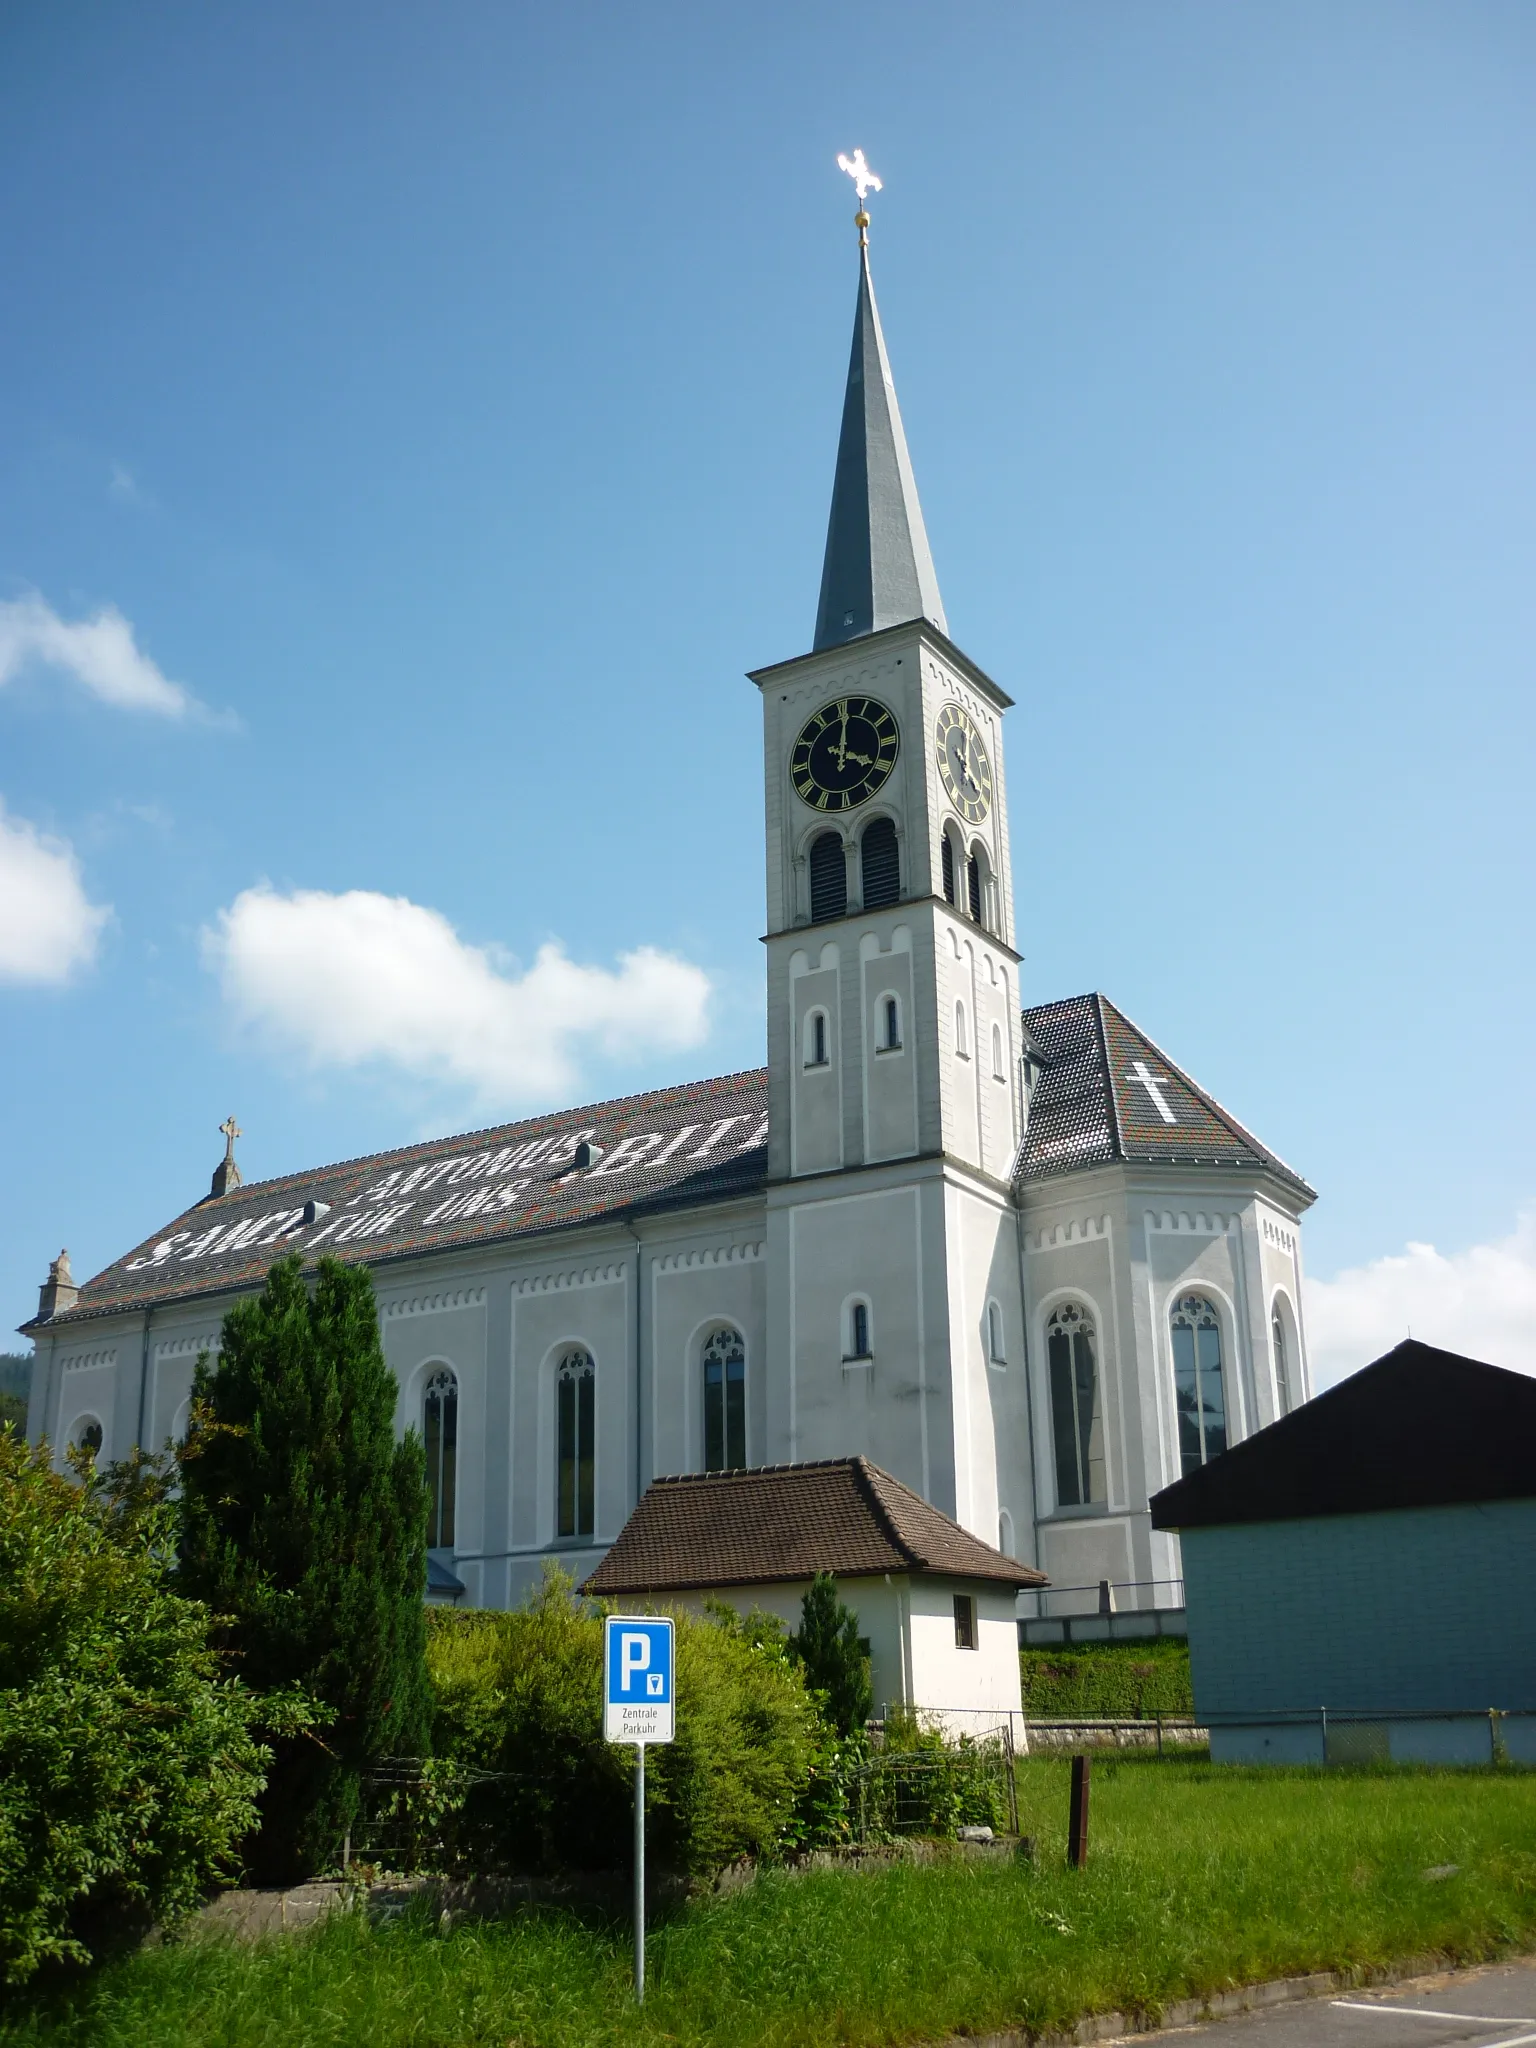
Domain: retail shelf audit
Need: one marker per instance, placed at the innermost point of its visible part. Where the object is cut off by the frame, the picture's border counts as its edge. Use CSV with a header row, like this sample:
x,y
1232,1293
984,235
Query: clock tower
x,y
896,1112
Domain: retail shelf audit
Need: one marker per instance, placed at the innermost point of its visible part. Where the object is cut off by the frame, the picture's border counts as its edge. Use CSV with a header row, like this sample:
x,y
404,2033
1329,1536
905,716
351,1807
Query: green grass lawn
x,y
1200,1878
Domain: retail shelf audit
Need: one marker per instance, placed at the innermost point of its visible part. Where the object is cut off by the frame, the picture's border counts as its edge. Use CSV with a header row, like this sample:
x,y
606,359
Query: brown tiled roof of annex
x,y
705,1141
1106,1093
772,1523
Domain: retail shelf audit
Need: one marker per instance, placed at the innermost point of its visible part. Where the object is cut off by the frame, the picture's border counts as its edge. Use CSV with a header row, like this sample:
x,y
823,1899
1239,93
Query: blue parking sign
x,y
637,1678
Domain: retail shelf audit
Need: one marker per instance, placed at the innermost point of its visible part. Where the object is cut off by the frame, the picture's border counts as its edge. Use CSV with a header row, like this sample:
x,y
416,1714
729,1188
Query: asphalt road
x,y
1492,2007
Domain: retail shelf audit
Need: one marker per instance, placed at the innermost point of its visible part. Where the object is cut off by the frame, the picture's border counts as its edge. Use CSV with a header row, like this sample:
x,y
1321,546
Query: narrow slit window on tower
x,y
880,864
890,1025
996,1349
999,1070
725,1402
440,1431
829,878
575,1382
973,886
947,863
858,1330
962,1035
816,1039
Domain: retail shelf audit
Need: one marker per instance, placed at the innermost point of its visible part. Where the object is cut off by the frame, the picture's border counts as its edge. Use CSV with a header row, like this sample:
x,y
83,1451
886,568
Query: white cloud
x,y
99,653
48,926
357,979
1481,1302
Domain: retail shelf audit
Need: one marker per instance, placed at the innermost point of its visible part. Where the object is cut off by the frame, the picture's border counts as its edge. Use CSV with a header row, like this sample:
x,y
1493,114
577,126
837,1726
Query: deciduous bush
x,y
520,1695
305,1523
128,1767
1108,1681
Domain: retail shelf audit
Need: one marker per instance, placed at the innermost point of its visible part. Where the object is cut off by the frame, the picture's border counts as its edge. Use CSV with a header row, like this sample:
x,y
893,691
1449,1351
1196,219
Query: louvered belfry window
x,y
973,886
949,868
829,879
880,863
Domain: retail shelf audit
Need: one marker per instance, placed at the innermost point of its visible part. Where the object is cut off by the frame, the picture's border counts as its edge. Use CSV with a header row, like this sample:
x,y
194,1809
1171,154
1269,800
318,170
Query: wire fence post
x,y
1077,1819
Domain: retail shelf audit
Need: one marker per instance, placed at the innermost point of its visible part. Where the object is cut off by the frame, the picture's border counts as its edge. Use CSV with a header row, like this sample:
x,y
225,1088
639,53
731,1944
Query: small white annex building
x,y
1362,1575
1005,1249
935,1605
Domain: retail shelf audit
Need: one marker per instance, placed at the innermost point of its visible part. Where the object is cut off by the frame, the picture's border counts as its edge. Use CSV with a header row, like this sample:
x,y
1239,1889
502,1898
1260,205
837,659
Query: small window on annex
x,y
1077,1422
829,878
965,1621
575,1403
725,1401
1197,1383
880,864
440,1433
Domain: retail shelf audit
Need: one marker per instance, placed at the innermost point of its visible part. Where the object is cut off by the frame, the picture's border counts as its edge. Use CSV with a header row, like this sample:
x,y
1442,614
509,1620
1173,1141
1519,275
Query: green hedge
x,y
519,1695
1108,1681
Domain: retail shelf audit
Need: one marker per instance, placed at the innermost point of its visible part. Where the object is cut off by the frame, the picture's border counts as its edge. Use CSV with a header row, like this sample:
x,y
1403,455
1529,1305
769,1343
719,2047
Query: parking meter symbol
x,y
655,1684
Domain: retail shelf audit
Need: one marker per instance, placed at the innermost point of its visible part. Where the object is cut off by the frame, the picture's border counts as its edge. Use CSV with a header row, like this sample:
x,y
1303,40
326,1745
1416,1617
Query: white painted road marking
x,y
1424,2012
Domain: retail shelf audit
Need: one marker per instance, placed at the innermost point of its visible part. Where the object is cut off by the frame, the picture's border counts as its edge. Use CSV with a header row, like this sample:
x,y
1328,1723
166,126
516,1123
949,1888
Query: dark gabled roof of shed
x,y
787,1522
1419,1428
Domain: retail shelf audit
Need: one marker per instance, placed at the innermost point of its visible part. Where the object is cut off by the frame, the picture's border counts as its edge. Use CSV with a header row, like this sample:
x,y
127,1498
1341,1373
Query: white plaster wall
x,y
971,1685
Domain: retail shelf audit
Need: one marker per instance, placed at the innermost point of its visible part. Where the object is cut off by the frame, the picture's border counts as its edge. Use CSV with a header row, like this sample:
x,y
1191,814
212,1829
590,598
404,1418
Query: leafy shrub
x,y
128,1767
835,1661
520,1694
305,1522
1108,1681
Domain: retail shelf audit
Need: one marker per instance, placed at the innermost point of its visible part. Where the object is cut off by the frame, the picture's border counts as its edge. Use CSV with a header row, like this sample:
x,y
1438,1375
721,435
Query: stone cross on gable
x,y
231,1131
1154,1084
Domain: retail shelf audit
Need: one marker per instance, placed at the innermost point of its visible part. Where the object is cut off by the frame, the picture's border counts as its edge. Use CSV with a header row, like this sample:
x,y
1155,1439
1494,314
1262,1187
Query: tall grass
x,y
1199,1878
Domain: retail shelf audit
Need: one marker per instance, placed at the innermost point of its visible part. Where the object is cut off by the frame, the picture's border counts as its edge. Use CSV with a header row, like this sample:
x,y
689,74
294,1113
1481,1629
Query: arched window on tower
x,y
973,890
999,1070
725,1401
1197,1384
890,1024
816,1039
829,878
1077,1425
1282,1361
962,1034
947,863
880,864
575,1386
440,1433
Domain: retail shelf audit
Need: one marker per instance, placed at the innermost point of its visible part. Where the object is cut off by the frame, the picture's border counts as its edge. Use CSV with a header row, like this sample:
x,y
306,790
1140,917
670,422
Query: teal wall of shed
x,y
1417,1609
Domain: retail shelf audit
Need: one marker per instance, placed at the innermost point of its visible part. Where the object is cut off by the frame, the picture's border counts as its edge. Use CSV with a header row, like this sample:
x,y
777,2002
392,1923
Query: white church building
x,y
1005,1250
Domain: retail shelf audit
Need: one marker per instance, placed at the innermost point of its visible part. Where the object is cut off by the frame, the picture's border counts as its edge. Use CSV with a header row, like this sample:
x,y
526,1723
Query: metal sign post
x,y
638,1667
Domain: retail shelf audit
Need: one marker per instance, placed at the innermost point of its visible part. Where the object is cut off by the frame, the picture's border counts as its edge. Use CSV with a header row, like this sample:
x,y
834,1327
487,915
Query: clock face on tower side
x,y
844,753
964,768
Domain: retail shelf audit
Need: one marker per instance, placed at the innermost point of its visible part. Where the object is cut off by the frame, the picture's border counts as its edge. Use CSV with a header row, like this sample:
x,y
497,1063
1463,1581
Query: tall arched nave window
x,y
575,1406
1197,1383
440,1433
725,1401
1077,1421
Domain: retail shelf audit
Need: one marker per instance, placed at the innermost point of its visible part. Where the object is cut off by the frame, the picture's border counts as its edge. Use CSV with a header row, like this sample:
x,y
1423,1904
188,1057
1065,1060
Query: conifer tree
x,y
304,1523
834,1661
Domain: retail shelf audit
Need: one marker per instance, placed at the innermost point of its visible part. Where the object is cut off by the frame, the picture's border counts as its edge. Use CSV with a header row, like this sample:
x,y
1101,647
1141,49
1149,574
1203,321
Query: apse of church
x,y
1007,1251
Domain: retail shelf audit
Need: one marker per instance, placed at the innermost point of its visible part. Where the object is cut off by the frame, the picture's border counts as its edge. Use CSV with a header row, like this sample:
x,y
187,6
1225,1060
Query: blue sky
x,y
440,406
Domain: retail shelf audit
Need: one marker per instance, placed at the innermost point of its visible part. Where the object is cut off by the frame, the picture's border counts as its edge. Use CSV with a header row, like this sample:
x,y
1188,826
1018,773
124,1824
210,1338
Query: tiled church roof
x,y
775,1523
1104,1093
707,1141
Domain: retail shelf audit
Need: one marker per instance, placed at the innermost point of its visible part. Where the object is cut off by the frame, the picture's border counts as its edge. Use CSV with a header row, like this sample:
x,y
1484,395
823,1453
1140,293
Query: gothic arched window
x,y
440,1433
1077,1424
1282,1361
829,878
725,1402
575,1382
948,865
879,864
1197,1383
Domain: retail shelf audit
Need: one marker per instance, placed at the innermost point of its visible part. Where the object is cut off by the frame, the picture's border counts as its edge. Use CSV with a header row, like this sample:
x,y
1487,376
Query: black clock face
x,y
844,753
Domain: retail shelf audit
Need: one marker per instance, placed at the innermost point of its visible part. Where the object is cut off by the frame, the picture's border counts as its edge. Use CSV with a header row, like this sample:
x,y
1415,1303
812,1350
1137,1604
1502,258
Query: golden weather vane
x,y
864,181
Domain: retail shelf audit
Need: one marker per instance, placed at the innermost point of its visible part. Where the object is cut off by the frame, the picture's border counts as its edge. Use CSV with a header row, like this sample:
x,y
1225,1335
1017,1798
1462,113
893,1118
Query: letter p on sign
x,y
637,1678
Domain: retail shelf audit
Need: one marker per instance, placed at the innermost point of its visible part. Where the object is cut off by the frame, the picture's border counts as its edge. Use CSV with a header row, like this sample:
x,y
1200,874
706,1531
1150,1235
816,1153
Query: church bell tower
x,y
893,1007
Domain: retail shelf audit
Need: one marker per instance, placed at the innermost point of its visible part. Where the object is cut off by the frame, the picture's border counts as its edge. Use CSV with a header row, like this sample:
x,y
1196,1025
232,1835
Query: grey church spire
x,y
877,570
